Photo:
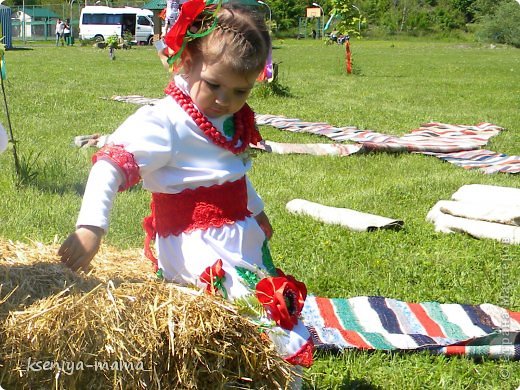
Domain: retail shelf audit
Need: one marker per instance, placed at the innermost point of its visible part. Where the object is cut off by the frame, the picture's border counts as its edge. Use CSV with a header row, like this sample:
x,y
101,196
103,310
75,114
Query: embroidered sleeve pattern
x,y
124,160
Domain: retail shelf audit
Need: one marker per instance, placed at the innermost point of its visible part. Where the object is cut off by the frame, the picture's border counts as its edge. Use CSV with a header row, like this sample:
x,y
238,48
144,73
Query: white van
x,y
100,22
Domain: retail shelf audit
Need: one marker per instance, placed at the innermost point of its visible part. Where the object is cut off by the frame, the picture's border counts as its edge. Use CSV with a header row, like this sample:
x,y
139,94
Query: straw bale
x,y
119,327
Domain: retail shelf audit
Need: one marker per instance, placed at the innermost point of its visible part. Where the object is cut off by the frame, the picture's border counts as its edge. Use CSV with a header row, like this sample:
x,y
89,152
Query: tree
x,y
349,16
501,26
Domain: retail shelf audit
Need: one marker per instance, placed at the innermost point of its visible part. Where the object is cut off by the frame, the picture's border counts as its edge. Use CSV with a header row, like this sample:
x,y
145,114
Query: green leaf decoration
x,y
250,306
159,273
267,260
218,283
229,127
250,277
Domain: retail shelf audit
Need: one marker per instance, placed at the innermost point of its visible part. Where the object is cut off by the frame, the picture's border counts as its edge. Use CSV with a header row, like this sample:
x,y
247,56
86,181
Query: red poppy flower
x,y
213,277
283,298
189,12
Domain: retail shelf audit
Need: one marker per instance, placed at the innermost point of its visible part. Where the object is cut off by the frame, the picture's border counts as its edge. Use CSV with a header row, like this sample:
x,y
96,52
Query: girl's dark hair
x,y
240,40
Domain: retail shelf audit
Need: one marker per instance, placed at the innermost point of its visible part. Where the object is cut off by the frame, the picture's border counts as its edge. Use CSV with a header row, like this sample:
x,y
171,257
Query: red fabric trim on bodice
x,y
124,160
192,209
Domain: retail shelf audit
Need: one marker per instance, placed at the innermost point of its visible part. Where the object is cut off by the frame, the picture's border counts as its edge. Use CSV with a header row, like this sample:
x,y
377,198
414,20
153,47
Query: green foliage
x,y
112,41
503,26
348,16
484,8
272,89
28,169
287,12
250,306
447,18
466,8
127,37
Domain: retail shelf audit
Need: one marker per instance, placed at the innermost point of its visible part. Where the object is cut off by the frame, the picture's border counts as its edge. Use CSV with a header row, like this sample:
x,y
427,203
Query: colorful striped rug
x,y
457,144
378,323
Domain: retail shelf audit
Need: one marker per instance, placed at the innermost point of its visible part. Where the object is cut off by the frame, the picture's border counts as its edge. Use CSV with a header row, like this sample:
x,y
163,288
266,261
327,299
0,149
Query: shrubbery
x,y
503,26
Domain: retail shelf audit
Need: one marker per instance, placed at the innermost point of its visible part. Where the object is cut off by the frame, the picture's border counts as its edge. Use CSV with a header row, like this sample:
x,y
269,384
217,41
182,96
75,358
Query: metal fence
x,y
44,27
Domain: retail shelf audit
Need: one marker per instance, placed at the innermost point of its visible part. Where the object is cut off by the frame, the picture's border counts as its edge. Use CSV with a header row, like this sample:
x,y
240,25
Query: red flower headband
x,y
180,34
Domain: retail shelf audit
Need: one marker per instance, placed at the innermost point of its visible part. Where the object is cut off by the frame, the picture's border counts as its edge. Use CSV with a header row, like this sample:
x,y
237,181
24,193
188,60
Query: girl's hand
x,y
78,250
264,224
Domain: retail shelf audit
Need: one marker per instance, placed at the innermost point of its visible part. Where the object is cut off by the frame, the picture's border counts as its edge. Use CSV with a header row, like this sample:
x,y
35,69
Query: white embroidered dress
x,y
173,155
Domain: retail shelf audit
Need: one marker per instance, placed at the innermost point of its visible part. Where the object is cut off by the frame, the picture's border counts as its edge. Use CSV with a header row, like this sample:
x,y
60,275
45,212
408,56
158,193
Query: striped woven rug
x,y
457,144
378,323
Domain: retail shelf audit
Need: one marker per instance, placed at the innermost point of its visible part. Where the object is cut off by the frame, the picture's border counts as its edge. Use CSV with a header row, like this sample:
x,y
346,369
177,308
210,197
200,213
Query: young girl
x,y
190,150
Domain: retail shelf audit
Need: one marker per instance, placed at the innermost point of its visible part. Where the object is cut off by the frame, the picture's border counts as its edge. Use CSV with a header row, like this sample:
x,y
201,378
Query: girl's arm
x,y
264,224
78,250
113,171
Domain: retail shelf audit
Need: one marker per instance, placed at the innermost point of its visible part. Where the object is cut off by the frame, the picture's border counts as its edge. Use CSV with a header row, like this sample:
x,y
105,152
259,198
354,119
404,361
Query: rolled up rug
x,y
506,214
446,223
487,193
351,219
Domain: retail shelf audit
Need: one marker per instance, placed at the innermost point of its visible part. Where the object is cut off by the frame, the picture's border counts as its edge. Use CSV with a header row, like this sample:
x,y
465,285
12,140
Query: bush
x,y
112,41
502,26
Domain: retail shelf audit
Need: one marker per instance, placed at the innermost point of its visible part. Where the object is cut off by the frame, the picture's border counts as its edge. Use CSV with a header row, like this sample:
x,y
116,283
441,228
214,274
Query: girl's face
x,y
215,89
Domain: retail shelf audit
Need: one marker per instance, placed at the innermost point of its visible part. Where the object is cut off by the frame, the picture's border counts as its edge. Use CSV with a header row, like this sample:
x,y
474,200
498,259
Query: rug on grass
x,y
457,144
378,323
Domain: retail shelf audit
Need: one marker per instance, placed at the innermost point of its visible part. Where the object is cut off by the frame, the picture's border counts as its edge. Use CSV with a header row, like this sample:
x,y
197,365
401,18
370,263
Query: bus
x,y
100,22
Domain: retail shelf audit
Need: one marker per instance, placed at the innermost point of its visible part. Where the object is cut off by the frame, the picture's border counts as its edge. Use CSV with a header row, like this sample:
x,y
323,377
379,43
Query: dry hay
x,y
120,328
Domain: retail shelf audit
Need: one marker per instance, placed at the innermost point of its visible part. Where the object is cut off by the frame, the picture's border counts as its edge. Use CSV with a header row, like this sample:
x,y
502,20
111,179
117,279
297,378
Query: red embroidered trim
x,y
304,355
245,129
124,160
192,209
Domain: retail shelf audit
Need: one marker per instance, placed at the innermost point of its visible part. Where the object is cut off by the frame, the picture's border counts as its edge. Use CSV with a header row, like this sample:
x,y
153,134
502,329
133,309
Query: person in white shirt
x,y
60,28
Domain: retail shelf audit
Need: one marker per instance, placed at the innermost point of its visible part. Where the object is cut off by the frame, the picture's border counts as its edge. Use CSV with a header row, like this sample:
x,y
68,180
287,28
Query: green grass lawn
x,y
56,93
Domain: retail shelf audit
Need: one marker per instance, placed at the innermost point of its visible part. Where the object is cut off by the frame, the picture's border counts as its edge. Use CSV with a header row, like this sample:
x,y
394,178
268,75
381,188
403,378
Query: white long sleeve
x,y
102,186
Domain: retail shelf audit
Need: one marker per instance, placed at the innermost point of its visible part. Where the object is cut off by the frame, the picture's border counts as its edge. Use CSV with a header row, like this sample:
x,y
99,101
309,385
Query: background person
x,y
60,27
66,32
